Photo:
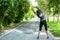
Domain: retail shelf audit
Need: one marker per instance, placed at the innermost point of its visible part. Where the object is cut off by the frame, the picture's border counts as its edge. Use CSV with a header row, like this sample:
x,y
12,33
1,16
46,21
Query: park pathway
x,y
27,31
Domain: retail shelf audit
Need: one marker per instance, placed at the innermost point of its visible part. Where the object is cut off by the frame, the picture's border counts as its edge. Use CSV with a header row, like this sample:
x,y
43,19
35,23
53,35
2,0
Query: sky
x,y
33,2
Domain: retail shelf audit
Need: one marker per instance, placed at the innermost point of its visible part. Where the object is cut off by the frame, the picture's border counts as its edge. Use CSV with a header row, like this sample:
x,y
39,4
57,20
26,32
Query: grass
x,y
54,28
56,33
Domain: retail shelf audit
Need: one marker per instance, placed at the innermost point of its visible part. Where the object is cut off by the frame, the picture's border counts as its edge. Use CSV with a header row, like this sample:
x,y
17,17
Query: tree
x,y
12,11
3,7
8,9
43,5
50,7
55,5
23,8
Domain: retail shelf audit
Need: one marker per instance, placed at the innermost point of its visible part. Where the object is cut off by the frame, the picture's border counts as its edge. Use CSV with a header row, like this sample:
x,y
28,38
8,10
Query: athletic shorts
x,y
41,25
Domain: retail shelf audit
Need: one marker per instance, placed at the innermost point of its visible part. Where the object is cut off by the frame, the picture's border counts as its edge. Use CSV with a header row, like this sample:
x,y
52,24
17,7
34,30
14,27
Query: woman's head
x,y
38,12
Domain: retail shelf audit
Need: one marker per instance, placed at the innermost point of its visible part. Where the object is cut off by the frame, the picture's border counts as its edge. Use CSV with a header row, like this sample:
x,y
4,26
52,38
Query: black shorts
x,y
41,25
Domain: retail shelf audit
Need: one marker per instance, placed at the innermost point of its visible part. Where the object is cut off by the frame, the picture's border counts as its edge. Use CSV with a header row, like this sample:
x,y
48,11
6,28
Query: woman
x,y
42,17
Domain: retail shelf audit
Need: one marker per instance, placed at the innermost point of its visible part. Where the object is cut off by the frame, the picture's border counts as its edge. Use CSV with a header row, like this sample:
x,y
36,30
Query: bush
x,y
23,8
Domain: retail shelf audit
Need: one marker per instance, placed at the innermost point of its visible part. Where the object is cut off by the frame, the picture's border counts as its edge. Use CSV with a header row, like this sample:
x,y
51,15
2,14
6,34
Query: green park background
x,y
13,12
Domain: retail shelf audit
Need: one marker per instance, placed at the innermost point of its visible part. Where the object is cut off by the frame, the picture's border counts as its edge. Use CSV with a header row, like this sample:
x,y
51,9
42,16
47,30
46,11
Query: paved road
x,y
27,31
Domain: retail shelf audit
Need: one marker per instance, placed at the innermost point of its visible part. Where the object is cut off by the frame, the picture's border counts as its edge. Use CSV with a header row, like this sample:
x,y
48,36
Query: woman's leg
x,y
38,34
46,28
40,28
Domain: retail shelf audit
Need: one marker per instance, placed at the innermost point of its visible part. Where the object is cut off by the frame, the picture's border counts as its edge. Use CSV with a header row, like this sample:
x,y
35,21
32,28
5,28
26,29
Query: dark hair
x,y
38,11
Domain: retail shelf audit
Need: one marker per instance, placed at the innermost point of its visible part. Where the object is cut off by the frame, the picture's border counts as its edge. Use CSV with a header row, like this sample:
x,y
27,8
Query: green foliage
x,y
54,28
43,5
4,4
56,33
55,5
13,11
49,6
29,15
23,8
7,11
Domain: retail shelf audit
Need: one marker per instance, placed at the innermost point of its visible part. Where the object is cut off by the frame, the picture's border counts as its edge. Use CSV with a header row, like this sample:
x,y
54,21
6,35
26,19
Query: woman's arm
x,y
33,10
39,9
